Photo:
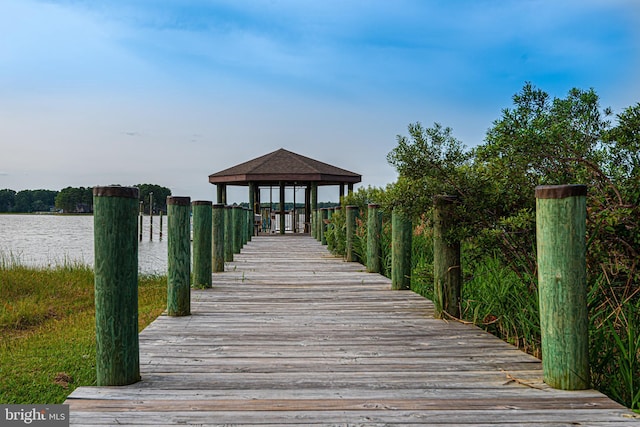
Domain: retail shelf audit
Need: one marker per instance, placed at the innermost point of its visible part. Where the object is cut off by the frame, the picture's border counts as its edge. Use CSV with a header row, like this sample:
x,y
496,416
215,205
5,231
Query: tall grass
x,y
47,325
496,298
615,343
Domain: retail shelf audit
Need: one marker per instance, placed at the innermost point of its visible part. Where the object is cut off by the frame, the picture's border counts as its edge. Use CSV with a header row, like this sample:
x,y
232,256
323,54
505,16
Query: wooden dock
x,y
291,335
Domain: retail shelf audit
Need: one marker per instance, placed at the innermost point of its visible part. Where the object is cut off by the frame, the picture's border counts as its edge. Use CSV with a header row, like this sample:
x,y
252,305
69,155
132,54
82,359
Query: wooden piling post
x,y
179,256
160,225
151,216
324,216
447,273
228,234
141,218
336,210
374,230
350,214
202,243
318,223
562,285
236,213
247,225
243,224
313,224
116,285
217,237
401,236
330,212
250,220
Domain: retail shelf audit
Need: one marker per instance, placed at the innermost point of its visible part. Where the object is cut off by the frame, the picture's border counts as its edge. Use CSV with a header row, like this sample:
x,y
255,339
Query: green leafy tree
x,y
538,141
23,201
75,200
7,200
623,146
43,200
429,161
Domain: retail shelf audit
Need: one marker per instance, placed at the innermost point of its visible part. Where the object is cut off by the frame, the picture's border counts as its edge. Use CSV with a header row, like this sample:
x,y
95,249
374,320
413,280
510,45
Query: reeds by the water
x,y
47,327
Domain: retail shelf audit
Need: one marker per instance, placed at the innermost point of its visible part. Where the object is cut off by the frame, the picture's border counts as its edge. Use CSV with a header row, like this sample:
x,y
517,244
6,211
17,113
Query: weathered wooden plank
x,y
508,416
339,404
289,335
138,393
339,381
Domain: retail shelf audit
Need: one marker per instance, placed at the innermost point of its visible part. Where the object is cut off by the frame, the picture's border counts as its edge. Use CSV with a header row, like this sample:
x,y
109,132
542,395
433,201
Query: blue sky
x,y
97,92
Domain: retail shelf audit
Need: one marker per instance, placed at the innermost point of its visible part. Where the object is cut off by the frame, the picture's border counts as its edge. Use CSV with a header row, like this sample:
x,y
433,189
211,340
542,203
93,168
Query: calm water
x,y
46,240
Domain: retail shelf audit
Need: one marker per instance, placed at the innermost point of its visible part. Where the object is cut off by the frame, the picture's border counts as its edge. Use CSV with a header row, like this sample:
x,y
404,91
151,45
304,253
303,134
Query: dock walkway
x,y
291,335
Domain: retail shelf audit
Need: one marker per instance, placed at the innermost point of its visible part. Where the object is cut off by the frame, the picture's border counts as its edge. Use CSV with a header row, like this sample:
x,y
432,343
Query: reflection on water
x,y
45,240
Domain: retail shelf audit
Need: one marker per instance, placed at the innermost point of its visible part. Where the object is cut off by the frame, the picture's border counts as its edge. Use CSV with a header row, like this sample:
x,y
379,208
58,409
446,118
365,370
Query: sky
x,y
102,92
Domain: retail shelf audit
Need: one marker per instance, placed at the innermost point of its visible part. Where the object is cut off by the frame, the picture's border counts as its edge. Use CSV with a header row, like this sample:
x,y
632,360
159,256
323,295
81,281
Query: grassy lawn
x,y
47,329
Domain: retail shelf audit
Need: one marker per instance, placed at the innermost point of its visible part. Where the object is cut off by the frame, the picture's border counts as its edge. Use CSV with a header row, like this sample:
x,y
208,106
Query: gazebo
x,y
283,168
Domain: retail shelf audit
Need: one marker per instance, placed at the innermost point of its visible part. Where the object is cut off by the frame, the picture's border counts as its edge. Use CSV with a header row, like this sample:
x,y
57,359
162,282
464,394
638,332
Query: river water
x,y
49,240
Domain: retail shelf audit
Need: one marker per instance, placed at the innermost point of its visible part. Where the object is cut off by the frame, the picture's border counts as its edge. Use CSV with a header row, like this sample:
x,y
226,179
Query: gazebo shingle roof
x,y
284,166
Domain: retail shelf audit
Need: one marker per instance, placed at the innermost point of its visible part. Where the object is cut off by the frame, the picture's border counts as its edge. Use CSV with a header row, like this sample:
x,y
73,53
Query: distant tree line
x,y
27,200
72,199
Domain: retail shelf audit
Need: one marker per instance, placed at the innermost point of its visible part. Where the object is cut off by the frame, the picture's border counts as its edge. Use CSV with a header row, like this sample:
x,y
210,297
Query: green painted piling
x,y
151,216
228,234
116,285
217,237
318,221
247,226
562,285
250,222
141,218
447,273
324,216
244,232
236,238
252,208
336,210
179,256
401,236
330,212
350,214
202,243
374,231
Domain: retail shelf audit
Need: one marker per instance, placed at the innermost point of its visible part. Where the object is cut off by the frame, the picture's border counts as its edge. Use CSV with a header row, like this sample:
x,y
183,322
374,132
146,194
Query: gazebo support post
x,y
294,222
252,202
222,193
307,208
314,208
282,221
